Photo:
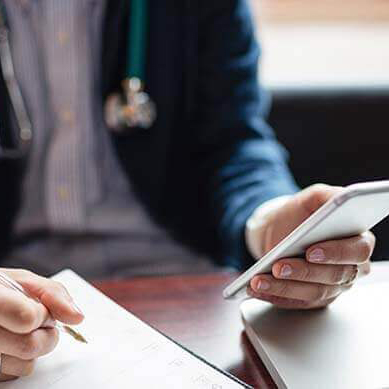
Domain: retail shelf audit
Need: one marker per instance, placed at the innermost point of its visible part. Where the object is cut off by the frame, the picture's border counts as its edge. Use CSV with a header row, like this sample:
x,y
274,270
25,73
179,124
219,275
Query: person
x,y
88,186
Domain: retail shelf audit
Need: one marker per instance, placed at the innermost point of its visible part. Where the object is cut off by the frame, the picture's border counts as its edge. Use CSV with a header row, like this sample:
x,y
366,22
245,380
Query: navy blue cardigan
x,y
210,159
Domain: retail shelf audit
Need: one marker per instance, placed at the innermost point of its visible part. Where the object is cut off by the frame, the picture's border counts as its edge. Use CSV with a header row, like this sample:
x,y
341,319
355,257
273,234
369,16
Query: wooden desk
x,y
190,309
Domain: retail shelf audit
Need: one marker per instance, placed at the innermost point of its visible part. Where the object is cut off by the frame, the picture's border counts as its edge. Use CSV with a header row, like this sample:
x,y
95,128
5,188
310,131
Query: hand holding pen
x,y
28,325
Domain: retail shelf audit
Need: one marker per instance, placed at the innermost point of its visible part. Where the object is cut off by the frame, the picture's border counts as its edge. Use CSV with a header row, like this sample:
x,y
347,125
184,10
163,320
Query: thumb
x,y
302,205
312,198
52,294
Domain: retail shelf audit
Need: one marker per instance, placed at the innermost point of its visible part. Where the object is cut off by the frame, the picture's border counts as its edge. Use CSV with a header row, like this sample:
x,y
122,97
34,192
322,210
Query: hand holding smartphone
x,y
354,211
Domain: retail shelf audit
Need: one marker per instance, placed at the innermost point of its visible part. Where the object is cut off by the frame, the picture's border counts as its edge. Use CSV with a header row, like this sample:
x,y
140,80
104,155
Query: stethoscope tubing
x,y
135,70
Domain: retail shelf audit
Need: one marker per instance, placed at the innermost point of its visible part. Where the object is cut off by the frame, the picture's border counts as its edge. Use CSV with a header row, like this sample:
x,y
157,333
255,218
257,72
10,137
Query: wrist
x,y
256,225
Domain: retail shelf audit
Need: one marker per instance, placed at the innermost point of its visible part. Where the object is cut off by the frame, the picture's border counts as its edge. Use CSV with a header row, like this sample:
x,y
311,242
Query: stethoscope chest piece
x,y
133,108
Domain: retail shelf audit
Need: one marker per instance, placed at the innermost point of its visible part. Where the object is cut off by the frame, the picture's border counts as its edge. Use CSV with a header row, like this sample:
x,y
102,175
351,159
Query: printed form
x,y
122,352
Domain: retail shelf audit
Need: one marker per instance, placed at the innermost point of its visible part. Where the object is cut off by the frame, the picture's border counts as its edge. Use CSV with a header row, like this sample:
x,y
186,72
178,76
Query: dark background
x,y
336,137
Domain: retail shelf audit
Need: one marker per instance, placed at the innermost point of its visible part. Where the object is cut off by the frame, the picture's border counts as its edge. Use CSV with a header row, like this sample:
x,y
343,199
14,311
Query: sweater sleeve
x,y
241,162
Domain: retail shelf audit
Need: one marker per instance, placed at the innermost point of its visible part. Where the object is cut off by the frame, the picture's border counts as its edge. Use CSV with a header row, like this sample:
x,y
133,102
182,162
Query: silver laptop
x,y
345,346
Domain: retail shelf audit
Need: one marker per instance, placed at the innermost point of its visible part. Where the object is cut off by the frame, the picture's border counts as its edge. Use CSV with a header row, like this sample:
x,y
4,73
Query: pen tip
x,y
76,335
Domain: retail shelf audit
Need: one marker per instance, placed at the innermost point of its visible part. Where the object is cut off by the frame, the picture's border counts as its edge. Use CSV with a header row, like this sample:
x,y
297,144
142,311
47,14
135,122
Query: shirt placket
x,y
65,191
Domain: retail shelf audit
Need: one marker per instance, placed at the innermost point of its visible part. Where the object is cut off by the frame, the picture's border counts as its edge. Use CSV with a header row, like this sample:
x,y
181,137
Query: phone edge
x,y
349,192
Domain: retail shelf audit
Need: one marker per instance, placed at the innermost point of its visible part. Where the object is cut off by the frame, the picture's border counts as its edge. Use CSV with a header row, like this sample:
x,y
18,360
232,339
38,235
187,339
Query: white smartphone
x,y
353,211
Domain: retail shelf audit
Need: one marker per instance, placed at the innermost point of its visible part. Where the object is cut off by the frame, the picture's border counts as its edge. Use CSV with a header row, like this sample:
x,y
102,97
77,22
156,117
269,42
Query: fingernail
x,y
76,308
317,255
286,271
263,285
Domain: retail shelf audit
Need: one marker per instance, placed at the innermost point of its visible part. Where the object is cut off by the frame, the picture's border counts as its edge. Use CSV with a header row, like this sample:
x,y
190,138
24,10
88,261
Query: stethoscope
x,y
124,111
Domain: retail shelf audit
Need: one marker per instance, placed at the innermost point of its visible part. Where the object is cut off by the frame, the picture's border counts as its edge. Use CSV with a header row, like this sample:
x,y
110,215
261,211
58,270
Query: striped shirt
x,y
78,208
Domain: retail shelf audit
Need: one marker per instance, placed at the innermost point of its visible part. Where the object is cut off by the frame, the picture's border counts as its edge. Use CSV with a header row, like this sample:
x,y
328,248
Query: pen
x,y
12,284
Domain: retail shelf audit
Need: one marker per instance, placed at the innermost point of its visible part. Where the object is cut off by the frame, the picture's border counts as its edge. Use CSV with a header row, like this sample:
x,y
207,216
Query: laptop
x,y
345,346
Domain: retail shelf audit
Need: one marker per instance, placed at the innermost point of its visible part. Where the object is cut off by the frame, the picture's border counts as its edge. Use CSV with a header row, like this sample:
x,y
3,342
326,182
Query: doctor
x,y
133,140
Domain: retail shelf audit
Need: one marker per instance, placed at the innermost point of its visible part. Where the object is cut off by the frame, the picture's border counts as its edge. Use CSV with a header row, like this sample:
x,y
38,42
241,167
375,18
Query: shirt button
x,y
67,117
63,38
63,193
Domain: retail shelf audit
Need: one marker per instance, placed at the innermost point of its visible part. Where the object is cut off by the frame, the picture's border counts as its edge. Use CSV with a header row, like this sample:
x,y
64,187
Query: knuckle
x,y
365,250
306,274
25,318
339,276
283,289
340,253
321,293
317,196
57,288
319,192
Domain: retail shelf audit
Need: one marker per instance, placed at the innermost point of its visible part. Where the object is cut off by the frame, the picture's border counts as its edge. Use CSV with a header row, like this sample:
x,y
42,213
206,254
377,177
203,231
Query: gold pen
x,y
12,284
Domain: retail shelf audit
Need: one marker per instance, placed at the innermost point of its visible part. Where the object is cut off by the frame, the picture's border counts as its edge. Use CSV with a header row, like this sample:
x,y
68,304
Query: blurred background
x,y
326,64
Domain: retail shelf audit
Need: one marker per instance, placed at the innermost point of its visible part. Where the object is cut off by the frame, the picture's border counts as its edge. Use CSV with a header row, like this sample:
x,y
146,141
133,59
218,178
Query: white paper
x,y
123,352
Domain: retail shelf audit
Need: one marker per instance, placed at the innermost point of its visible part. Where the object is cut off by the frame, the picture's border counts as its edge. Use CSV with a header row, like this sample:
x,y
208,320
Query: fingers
x,y
351,251
23,350
13,367
286,303
27,325
5,377
19,313
301,270
28,346
303,291
331,268
51,293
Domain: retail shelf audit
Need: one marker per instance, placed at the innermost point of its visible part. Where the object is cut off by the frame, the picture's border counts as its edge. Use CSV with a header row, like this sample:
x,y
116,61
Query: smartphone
x,y
355,210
